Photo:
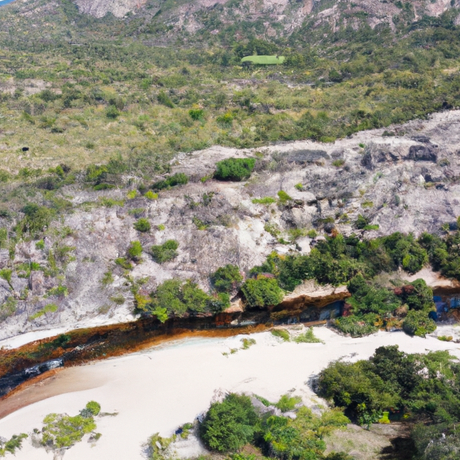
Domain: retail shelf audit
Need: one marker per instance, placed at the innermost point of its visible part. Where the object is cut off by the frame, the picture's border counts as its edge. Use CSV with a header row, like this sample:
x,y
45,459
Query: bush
x,y
196,114
62,430
142,225
307,337
165,252
151,196
112,112
135,250
93,407
234,169
15,442
283,197
282,334
172,181
287,403
262,292
229,425
226,279
36,218
418,323
265,200
164,99
176,298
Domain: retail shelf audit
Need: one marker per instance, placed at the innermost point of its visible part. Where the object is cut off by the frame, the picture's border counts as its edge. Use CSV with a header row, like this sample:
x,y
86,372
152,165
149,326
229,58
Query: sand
x,y
159,389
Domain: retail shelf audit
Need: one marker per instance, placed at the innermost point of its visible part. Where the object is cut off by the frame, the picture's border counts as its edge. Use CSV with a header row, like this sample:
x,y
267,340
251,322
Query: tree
x,y
230,424
262,292
227,278
234,169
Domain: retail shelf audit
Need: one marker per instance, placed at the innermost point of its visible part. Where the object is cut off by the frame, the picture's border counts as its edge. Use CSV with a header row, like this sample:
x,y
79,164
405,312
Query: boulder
x,y
307,156
37,282
423,153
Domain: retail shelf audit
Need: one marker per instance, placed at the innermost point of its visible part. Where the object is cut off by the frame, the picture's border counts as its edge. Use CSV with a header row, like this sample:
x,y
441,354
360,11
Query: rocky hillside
x,y
405,178
164,19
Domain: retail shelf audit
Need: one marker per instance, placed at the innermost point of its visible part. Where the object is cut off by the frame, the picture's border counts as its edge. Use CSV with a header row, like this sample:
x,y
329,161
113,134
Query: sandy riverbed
x,y
161,388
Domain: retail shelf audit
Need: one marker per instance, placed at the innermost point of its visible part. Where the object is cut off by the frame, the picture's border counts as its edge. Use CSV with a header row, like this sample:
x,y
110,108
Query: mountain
x,y
307,20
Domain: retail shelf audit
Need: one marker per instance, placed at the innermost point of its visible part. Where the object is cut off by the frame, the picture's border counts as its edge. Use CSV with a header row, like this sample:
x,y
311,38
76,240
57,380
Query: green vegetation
x,y
135,250
50,308
10,446
264,60
234,169
227,278
151,196
229,425
307,337
171,181
267,200
282,334
247,343
283,197
233,423
424,387
262,292
288,403
165,252
142,225
63,431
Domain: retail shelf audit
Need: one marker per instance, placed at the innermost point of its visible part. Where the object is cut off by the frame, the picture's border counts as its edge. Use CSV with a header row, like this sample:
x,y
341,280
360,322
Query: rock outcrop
x,y
406,183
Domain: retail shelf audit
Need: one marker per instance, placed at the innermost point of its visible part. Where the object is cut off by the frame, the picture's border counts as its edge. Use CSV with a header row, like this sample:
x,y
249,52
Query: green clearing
x,y
264,60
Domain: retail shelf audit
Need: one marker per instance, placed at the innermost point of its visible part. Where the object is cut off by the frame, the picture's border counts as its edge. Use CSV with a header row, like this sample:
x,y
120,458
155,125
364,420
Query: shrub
x,y
63,431
229,425
164,99
15,442
247,343
165,252
307,337
265,200
93,407
172,181
176,297
362,222
234,169
418,323
122,262
36,218
151,196
196,114
226,279
283,197
142,225
226,119
262,292
135,250
282,334
287,403
112,112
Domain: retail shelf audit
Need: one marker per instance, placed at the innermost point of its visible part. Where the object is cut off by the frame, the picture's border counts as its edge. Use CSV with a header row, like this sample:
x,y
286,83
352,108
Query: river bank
x,y
158,389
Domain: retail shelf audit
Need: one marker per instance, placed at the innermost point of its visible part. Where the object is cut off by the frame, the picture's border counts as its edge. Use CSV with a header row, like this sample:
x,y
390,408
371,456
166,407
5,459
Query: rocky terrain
x,y
270,18
405,179
279,17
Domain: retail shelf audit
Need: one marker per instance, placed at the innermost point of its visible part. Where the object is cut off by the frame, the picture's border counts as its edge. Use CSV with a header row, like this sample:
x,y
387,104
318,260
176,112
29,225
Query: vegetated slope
x,y
97,243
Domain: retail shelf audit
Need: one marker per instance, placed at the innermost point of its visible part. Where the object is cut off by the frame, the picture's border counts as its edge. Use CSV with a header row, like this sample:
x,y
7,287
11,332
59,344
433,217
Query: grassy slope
x,y
354,80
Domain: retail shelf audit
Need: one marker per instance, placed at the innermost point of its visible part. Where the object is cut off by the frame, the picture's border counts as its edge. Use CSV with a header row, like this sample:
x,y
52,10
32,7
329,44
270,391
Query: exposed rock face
x,y
311,294
396,182
191,16
119,8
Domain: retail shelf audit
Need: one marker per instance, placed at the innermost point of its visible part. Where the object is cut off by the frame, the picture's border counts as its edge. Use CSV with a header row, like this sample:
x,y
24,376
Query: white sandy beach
x,y
161,388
